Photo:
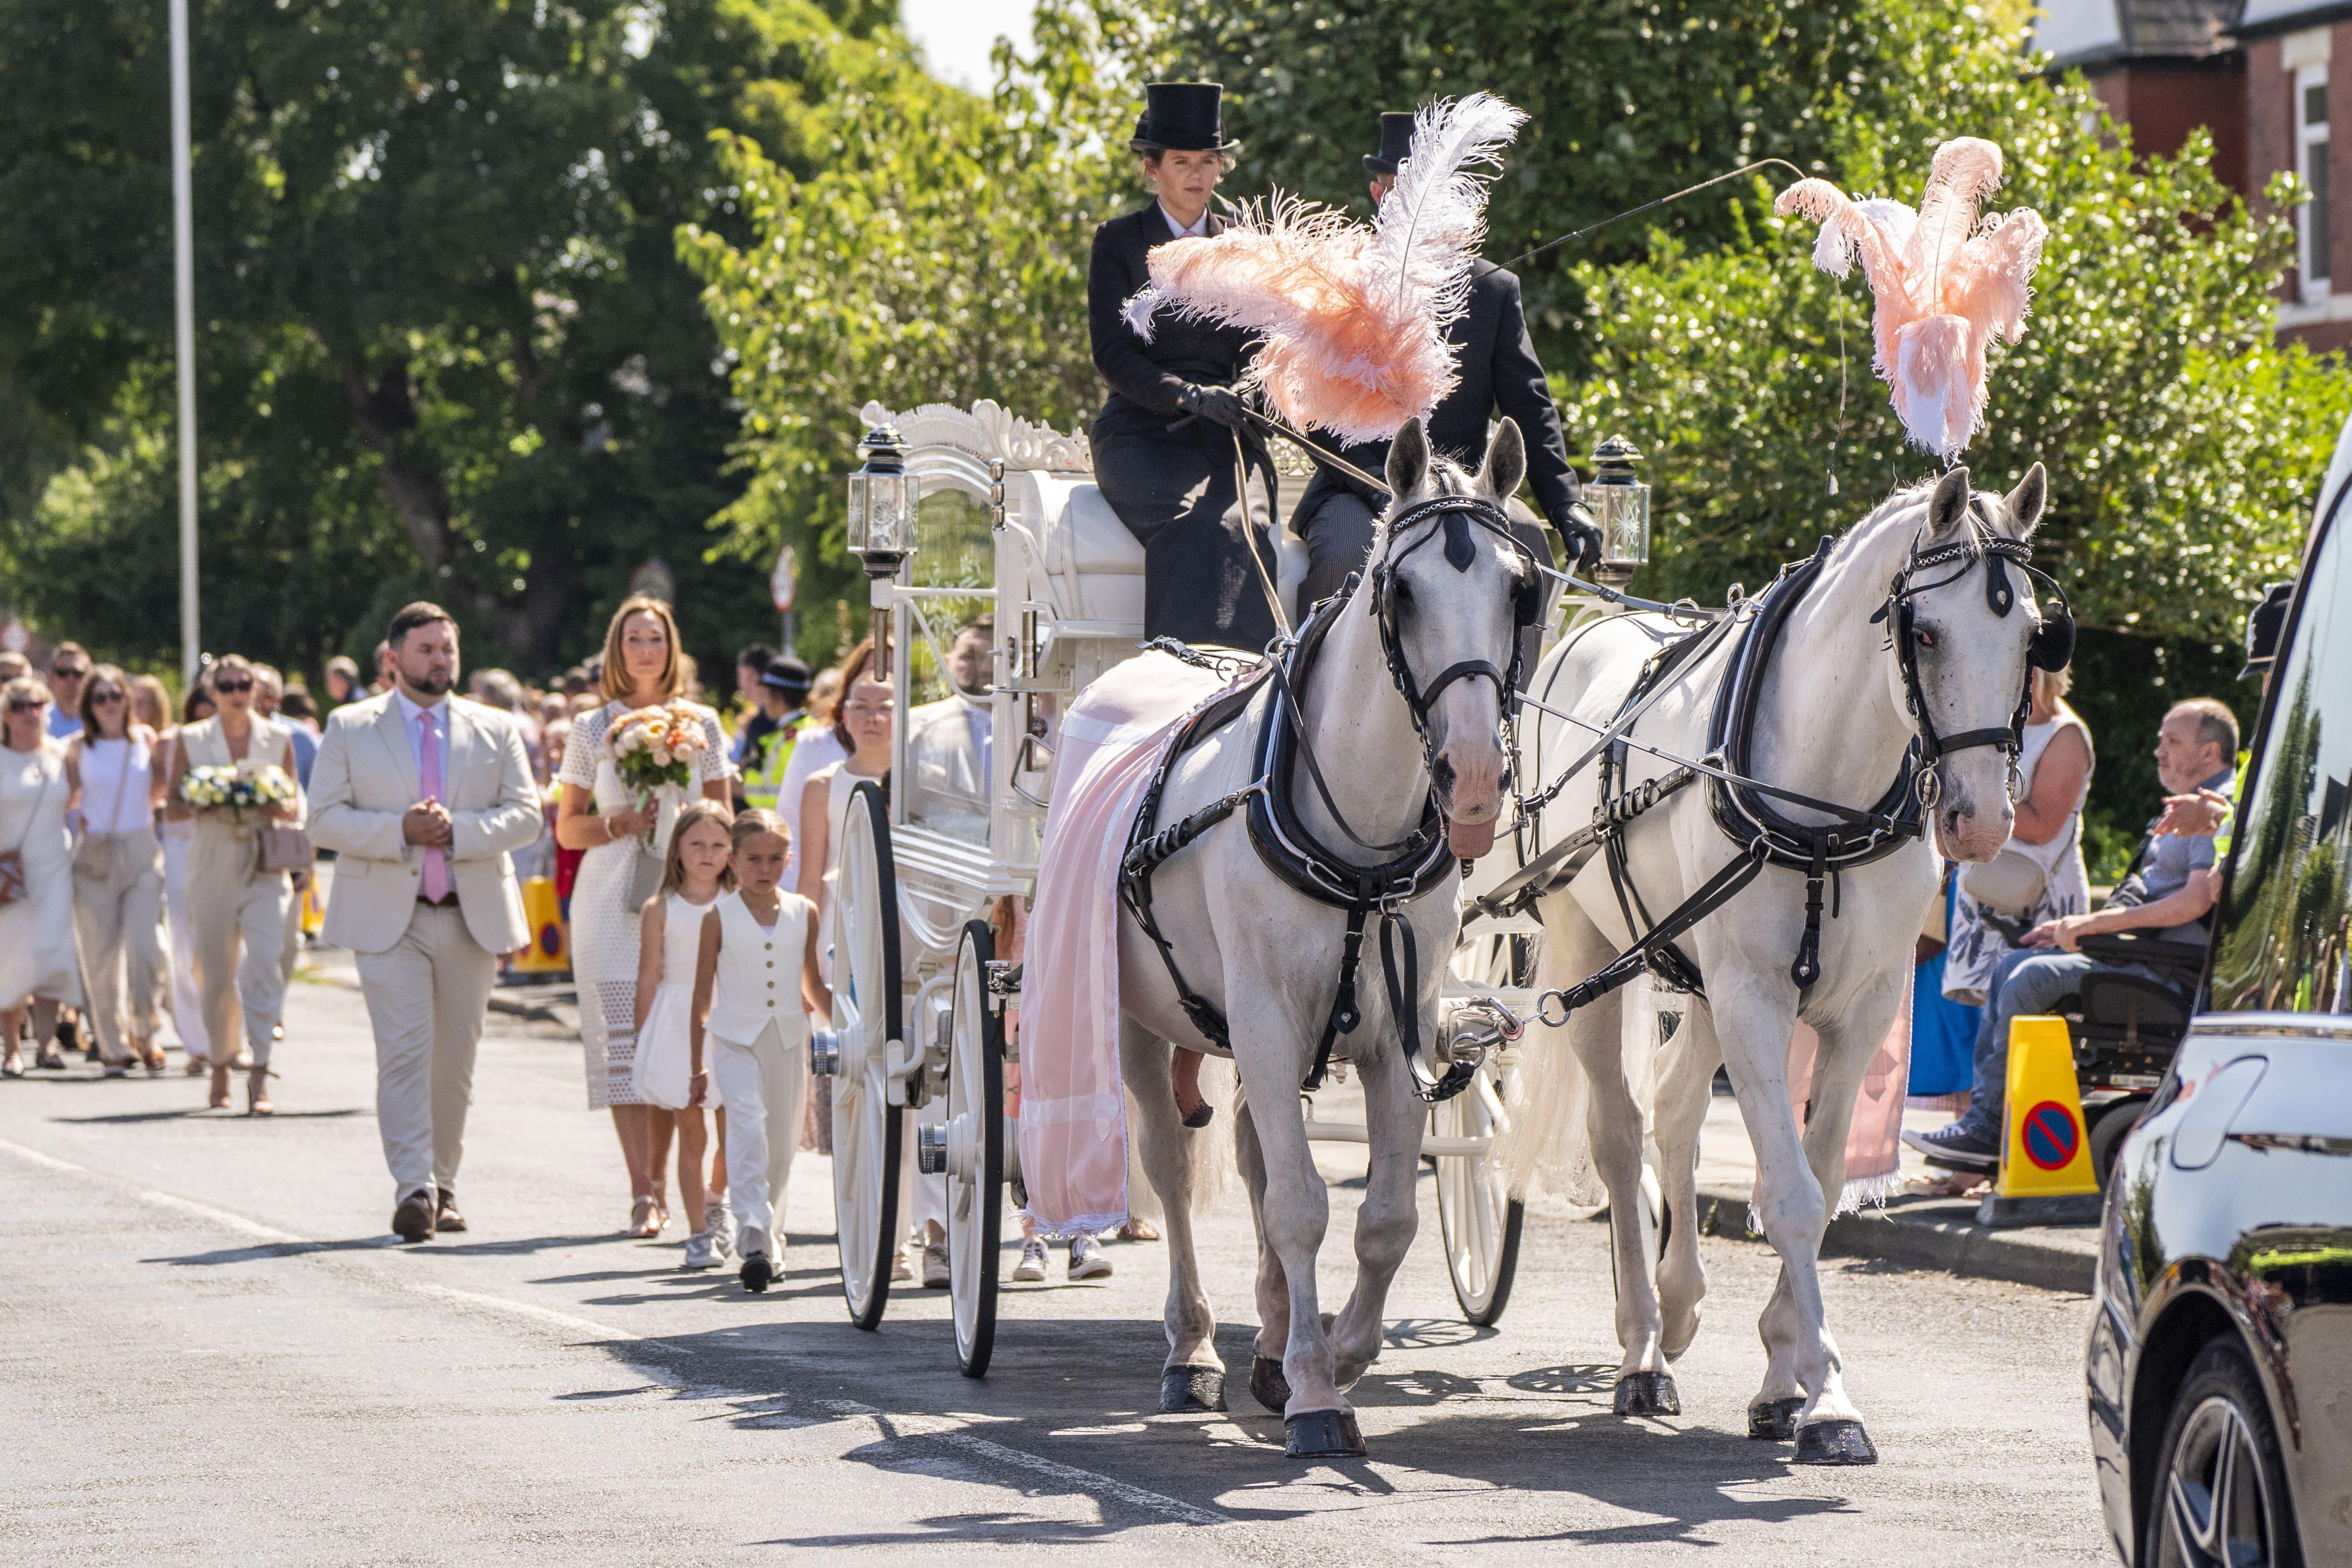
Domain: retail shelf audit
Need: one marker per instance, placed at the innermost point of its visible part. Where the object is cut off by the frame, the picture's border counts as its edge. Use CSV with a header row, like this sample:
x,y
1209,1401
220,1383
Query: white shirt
x,y
413,720
1199,227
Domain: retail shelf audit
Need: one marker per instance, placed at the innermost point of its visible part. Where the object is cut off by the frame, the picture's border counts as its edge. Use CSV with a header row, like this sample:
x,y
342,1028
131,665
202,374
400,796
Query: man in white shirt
x,y
422,797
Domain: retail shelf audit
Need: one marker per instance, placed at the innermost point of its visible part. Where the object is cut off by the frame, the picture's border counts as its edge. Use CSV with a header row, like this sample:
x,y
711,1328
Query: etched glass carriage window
x,y
950,749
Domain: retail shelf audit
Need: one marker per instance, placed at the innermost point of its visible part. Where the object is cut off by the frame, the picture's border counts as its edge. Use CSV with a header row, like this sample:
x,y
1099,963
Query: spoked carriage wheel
x,y
975,1149
866,1001
1478,1219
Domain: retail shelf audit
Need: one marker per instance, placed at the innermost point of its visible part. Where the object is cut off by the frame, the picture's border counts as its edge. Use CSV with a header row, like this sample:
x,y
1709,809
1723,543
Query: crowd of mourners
x,y
164,863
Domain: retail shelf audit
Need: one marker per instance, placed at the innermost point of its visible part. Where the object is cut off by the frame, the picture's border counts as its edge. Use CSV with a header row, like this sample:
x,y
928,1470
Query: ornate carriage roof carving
x,y
989,431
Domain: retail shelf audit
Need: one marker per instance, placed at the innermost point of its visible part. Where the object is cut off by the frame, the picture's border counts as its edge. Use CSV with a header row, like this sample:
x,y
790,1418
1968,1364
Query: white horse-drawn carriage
x,y
956,514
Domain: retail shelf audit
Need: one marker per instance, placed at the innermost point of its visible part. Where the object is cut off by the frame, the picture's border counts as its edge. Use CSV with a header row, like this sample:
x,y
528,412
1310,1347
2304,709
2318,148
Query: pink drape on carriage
x,y
1073,1109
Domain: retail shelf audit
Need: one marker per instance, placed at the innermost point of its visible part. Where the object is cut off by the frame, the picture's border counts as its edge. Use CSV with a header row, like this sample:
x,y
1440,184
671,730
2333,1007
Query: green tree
x,y
447,344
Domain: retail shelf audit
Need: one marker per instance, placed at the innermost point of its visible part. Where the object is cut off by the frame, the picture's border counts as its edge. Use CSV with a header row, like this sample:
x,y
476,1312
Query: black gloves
x,y
1581,537
1219,406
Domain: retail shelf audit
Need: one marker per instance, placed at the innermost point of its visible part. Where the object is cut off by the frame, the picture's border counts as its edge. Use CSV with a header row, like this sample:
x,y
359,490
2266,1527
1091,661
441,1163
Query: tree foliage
x,y
444,340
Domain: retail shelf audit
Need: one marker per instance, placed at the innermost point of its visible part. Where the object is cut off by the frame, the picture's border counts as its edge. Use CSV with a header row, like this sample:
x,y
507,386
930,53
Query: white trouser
x,y
239,914
762,1085
426,995
187,1001
927,1195
115,920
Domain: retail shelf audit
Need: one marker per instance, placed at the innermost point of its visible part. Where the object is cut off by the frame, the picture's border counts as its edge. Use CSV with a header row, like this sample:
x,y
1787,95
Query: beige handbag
x,y
2011,883
284,849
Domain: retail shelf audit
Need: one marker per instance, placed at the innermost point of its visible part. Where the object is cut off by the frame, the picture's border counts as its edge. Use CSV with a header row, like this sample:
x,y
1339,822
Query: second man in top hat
x,y
1500,376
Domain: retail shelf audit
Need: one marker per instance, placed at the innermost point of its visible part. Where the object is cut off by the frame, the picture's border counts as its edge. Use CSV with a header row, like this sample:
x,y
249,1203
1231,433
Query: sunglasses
x,y
22,704
104,696
224,687
70,672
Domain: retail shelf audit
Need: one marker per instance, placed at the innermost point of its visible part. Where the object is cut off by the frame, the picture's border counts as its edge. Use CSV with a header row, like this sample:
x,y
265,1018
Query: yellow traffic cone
x,y
550,952
2045,1151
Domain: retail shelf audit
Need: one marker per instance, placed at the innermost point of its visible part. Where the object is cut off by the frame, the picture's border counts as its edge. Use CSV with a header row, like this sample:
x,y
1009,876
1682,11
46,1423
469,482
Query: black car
x,y
2221,1356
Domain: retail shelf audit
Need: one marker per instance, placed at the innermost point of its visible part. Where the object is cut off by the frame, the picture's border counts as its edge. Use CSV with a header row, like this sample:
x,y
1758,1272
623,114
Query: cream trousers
x,y
426,995
762,1085
238,918
115,922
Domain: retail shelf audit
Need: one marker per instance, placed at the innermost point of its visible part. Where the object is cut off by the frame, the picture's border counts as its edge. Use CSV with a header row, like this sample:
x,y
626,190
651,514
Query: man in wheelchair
x,y
2163,904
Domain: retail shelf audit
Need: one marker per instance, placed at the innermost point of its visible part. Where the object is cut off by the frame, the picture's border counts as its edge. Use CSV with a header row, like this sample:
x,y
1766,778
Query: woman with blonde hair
x,y
624,841
37,941
117,881
236,908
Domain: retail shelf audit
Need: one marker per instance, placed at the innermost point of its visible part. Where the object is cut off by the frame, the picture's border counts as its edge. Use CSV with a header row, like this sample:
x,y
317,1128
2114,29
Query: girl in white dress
x,y
755,1029
693,876
624,838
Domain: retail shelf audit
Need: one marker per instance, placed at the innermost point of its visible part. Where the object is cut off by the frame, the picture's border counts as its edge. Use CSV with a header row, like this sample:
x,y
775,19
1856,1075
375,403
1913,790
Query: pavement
x,y
215,1355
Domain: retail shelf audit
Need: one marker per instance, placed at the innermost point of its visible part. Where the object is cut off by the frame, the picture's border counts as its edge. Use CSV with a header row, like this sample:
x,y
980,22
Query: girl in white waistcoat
x,y
751,1019
237,909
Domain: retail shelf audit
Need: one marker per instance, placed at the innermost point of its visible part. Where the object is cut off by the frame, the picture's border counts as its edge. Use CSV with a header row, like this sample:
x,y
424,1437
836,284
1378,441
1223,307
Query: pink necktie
x,y
436,861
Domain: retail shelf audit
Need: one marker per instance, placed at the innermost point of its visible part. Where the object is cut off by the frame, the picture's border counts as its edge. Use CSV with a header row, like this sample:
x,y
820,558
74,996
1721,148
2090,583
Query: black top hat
x,y
788,675
2264,626
1396,140
1181,117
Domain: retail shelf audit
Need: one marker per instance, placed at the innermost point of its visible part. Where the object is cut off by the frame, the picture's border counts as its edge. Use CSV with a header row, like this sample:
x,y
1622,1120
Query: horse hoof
x,y
1324,1435
1648,1393
1183,1388
1774,1420
1268,1385
1834,1442
1200,1116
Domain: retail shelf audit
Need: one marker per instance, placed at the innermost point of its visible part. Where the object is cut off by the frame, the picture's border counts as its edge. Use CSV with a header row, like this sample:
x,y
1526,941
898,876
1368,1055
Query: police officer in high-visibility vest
x,y
783,694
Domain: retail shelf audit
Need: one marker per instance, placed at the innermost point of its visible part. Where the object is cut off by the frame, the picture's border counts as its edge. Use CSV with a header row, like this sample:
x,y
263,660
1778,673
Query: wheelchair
x,y
2126,1028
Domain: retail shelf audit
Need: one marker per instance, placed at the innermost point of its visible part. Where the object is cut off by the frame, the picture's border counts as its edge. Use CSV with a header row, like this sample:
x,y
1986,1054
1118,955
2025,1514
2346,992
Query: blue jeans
x,y
2028,982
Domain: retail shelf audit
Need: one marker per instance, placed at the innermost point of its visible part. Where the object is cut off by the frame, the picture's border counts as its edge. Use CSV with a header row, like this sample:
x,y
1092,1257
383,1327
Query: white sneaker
x,y
1031,1269
900,1270
1087,1260
937,1275
720,1224
702,1251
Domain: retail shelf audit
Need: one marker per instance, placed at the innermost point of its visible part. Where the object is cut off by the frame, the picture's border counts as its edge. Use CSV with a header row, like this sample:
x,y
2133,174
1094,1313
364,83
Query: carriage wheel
x,y
1478,1219
866,1005
975,1149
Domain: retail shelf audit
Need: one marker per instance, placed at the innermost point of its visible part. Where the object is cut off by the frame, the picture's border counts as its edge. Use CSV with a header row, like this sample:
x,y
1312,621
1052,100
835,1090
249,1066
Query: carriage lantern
x,y
1620,504
882,496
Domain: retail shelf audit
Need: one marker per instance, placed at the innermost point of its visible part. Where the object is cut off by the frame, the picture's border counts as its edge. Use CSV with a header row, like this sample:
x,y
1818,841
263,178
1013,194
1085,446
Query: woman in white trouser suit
x,y
756,979
237,910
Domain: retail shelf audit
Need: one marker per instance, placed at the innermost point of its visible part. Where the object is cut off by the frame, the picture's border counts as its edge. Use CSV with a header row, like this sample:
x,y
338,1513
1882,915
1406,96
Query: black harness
x,y
1420,859
1744,807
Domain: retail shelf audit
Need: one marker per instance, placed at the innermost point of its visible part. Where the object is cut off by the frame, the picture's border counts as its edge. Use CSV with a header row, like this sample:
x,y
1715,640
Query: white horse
x,y
1268,957
1833,723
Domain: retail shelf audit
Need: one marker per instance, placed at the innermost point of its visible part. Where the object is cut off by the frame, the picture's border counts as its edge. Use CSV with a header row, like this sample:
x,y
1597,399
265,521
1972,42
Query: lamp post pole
x,y
183,270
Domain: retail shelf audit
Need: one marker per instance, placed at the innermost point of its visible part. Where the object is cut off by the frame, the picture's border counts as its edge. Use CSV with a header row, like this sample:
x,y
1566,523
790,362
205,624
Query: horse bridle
x,y
2051,647
1456,516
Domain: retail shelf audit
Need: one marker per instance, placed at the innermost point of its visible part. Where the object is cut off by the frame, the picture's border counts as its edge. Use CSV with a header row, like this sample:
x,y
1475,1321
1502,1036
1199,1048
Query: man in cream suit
x,y
422,795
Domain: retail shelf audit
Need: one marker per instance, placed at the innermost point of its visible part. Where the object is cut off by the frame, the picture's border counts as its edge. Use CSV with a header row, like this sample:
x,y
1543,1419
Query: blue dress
x,y
1943,1031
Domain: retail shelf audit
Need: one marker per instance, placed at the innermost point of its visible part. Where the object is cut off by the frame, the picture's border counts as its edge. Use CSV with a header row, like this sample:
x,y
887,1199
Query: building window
x,y
2311,146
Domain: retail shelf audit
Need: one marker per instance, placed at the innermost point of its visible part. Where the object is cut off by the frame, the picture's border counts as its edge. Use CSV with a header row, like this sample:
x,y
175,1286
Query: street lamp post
x,y
184,271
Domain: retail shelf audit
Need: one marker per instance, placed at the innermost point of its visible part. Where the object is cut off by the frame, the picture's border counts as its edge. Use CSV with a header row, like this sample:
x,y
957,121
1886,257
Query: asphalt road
x,y
213,1352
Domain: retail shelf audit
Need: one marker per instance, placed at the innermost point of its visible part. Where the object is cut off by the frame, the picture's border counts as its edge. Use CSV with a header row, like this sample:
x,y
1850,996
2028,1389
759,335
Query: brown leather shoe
x,y
445,1212
412,1221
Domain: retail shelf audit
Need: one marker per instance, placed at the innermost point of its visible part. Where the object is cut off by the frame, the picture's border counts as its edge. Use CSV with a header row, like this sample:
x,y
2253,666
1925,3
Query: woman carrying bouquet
x,y
231,774
627,768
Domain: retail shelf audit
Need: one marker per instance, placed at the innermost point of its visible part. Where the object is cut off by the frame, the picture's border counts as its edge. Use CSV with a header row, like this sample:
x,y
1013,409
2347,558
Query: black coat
x,y
1500,375
1145,377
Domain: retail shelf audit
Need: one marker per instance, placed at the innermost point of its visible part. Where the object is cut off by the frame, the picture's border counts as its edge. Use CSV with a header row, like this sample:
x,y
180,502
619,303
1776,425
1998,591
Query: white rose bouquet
x,y
240,789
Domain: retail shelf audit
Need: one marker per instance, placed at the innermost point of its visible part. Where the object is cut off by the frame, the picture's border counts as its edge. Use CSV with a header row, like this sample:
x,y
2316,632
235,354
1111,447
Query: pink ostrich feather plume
x,y
1945,284
1353,317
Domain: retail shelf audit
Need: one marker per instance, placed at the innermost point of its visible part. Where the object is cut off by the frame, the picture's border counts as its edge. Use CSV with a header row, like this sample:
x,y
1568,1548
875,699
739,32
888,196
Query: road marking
x,y
38,1158
224,1218
1095,1482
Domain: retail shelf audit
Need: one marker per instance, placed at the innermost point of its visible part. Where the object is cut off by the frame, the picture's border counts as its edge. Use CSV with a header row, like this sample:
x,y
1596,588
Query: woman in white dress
x,y
36,943
236,911
118,870
185,1001
624,843
2039,875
